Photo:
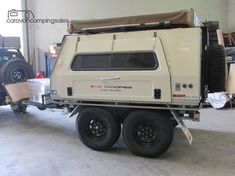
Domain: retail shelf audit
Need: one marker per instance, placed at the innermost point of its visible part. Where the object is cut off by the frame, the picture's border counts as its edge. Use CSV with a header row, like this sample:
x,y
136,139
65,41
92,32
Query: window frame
x,y
110,54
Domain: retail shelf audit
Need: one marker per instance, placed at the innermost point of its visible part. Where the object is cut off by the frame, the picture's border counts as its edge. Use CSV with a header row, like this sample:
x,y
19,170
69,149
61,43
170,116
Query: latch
x,y
70,91
157,93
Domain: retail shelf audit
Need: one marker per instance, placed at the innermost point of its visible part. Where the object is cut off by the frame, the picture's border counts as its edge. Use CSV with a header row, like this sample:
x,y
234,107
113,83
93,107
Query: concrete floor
x,y
44,143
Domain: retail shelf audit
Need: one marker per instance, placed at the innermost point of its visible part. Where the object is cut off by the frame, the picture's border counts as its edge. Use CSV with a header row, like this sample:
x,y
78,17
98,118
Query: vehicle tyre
x,y
213,34
2,98
213,38
97,128
1,88
216,68
2,91
16,71
174,123
18,107
42,108
147,133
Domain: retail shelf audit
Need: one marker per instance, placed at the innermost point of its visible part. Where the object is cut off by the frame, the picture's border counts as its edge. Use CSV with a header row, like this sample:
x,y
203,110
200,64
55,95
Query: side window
x,y
133,61
91,62
115,61
5,57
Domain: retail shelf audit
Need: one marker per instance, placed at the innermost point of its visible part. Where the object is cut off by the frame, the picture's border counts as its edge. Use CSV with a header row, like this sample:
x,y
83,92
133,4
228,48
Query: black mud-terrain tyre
x,y
97,128
216,68
2,95
147,133
42,108
15,71
2,98
174,123
1,88
18,107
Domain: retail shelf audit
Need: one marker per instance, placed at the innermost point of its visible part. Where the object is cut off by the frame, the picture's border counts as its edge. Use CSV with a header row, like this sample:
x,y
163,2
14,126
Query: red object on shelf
x,y
40,75
54,50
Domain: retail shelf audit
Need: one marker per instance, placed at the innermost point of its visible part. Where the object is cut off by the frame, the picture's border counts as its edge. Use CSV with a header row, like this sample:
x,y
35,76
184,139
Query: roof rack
x,y
183,18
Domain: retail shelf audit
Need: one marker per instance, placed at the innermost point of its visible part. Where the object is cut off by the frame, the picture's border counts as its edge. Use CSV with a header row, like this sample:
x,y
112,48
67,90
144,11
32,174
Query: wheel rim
x,y
18,75
97,128
146,133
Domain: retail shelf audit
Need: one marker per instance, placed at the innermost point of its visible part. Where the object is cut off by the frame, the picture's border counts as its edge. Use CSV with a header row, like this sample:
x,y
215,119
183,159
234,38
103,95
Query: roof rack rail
x,y
132,27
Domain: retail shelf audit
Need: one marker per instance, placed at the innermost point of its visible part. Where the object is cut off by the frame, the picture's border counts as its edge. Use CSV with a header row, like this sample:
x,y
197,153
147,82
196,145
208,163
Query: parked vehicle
x,y
145,78
140,75
13,67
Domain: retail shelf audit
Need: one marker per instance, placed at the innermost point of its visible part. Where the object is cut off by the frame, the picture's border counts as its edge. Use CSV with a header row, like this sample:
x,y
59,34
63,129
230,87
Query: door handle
x,y
110,79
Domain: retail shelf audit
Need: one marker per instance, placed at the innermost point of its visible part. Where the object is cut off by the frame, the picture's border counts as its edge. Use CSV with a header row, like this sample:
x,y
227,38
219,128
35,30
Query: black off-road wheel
x,y
2,94
1,89
97,128
174,123
147,133
18,107
216,68
15,71
42,108
2,98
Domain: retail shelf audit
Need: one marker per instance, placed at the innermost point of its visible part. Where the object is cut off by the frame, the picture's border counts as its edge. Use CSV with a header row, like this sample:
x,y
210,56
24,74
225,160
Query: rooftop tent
x,y
182,18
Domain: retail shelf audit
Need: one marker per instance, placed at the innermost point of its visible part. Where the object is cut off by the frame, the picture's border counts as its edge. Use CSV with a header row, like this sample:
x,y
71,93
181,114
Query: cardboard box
x,y
33,90
18,91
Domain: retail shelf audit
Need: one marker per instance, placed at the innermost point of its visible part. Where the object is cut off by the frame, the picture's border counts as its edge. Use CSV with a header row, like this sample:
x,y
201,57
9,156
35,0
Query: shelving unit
x,y
50,58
